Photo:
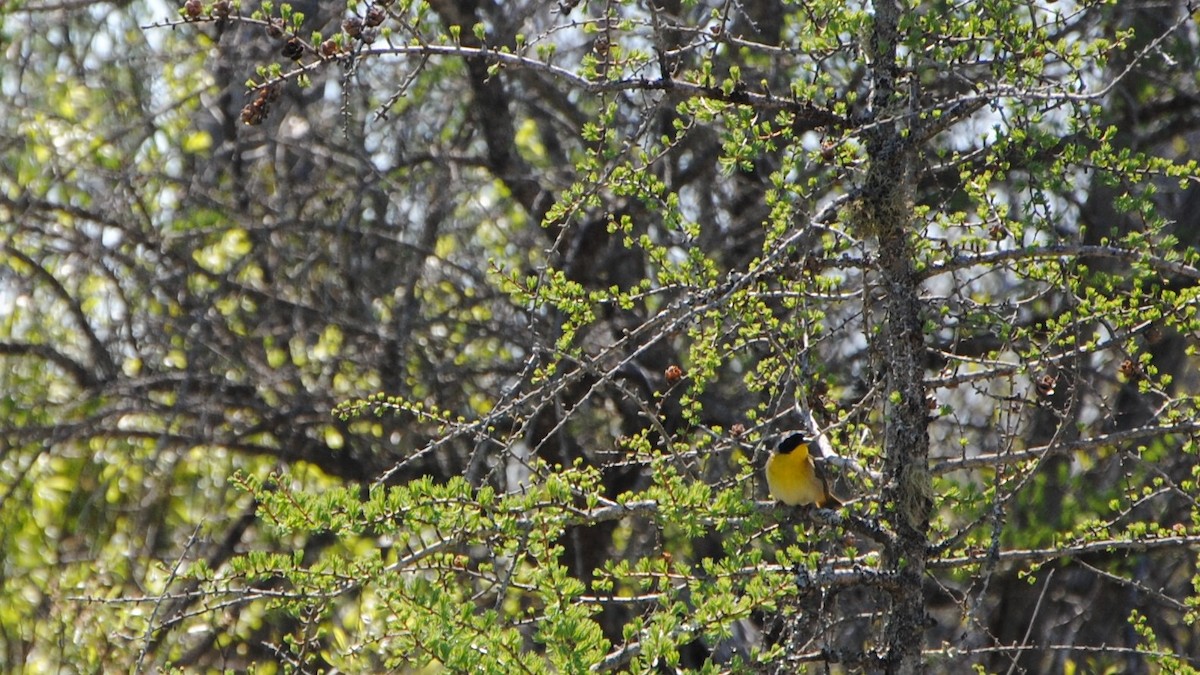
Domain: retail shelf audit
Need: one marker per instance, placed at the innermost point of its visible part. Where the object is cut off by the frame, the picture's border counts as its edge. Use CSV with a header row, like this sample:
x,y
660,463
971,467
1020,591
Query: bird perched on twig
x,y
794,478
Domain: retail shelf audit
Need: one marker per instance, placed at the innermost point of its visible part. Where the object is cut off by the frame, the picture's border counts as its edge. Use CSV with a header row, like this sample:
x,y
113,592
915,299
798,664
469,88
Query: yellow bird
x,y
793,478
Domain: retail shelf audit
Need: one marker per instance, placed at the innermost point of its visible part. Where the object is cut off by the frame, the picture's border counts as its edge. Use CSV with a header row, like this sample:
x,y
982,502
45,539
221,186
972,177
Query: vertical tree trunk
x,y
887,213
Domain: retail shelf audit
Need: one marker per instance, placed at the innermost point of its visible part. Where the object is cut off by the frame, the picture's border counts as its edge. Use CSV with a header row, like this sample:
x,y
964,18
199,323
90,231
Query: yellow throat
x,y
793,478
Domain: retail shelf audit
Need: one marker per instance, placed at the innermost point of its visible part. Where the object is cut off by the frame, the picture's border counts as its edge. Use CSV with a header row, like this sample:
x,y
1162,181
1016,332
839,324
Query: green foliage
x,y
465,351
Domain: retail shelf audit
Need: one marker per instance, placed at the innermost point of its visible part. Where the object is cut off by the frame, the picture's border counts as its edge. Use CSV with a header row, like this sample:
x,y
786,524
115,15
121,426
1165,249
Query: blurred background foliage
x,y
359,357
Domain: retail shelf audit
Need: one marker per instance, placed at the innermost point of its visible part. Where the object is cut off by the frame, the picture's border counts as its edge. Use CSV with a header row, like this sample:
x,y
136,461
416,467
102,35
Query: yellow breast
x,y
793,480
